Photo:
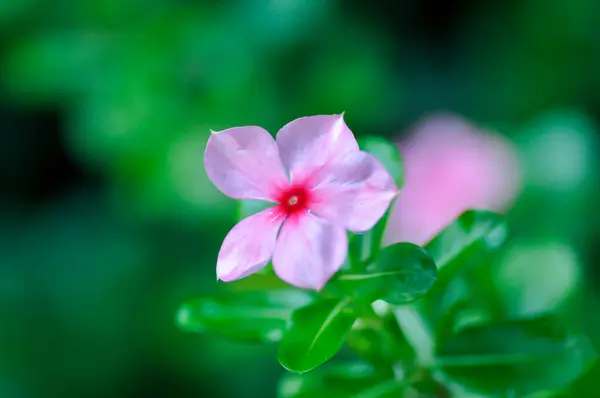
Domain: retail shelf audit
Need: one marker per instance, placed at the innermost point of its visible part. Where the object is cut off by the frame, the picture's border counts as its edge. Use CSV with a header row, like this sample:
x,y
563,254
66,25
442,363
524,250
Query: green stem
x,y
417,332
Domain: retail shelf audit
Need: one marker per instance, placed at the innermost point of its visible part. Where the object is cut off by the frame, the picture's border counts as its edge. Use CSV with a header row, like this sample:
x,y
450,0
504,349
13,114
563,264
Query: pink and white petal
x,y
309,251
355,192
249,245
243,162
312,142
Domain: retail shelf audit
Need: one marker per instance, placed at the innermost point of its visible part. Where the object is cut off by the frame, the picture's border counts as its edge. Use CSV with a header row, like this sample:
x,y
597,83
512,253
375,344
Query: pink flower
x,y
451,166
332,187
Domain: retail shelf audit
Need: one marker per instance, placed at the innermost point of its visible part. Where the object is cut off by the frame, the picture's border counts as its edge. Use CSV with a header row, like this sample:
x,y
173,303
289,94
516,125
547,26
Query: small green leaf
x,y
474,229
249,315
524,356
387,154
401,273
247,208
416,331
340,380
463,252
316,333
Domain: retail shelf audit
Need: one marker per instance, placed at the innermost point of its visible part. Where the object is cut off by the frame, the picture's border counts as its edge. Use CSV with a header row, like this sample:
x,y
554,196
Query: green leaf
x,y
249,315
401,273
416,331
387,154
340,380
463,252
524,356
316,333
472,231
247,208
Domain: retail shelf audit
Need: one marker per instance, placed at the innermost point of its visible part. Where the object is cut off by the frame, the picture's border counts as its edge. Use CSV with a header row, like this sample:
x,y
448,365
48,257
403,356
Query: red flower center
x,y
294,200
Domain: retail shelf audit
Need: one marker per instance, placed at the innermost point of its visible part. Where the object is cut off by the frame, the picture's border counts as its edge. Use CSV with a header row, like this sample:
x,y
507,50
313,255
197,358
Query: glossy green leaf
x,y
524,356
417,332
316,333
340,380
472,231
464,252
247,208
401,273
249,315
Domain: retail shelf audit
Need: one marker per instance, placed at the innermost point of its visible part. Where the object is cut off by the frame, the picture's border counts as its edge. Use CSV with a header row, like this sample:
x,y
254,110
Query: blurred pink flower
x,y
333,187
451,166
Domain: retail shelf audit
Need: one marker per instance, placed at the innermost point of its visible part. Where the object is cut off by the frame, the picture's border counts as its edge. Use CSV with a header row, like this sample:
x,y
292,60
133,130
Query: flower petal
x,y
451,165
249,245
355,192
243,162
309,251
312,142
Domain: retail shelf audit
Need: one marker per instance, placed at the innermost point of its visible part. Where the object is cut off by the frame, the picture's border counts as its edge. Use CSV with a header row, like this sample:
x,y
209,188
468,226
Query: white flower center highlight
x,y
292,200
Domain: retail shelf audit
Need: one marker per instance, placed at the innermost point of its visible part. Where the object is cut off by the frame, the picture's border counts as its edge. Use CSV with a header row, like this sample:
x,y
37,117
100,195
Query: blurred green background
x,y
108,221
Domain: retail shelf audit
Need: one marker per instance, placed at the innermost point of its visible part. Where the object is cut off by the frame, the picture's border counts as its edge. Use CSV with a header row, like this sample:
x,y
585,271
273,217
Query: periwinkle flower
x,y
332,187
451,166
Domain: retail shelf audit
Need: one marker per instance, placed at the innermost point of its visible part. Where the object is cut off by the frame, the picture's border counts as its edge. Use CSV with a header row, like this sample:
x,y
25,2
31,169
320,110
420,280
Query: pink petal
x,y
243,162
314,141
355,192
309,251
451,166
249,245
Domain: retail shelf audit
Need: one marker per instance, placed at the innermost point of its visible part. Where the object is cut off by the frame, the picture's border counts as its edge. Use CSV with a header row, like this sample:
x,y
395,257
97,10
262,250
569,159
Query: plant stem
x,y
417,332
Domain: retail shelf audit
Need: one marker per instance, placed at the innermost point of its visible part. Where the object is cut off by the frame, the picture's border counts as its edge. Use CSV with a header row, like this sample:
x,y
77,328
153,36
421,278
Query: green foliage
x,y
523,356
401,273
250,315
462,251
335,380
473,232
315,334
